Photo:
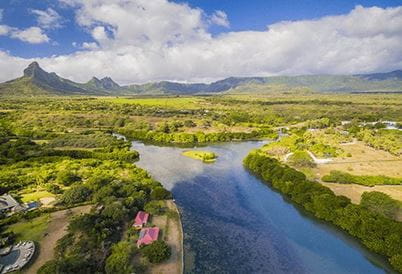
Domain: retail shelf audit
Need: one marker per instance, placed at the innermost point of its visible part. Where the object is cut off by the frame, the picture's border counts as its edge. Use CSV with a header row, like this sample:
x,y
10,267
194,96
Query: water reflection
x,y
235,224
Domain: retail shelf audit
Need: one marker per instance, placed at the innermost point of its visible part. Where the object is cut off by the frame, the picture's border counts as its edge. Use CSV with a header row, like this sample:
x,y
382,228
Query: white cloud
x,y
142,40
48,19
89,45
32,35
220,18
4,30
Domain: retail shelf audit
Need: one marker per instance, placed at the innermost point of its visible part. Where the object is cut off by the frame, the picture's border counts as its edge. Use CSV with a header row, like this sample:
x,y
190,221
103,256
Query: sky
x,y
136,41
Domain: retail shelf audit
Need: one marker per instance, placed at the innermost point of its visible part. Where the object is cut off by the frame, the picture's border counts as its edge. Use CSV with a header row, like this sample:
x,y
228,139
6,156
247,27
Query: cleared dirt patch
x,y
364,161
56,229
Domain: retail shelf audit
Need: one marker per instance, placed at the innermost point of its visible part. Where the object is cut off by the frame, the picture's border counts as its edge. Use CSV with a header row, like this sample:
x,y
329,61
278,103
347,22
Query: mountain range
x,y
37,82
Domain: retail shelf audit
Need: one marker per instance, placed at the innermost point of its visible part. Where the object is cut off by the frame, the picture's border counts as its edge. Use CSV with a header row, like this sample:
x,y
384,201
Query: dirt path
x,y
173,235
56,229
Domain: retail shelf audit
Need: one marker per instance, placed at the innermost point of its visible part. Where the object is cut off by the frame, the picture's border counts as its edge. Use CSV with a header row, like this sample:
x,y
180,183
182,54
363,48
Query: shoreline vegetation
x,y
198,138
205,156
377,232
336,176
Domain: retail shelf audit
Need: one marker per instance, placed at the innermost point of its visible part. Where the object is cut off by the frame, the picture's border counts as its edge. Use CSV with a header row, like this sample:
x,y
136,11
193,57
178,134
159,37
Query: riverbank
x,y
172,229
338,210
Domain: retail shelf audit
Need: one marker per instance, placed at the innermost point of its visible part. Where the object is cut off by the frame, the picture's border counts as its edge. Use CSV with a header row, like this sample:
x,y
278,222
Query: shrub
x,y
157,252
381,203
159,193
76,194
155,207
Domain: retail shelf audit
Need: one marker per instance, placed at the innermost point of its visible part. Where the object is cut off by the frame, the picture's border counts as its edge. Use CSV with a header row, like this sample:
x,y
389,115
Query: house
x,y
148,235
141,219
9,204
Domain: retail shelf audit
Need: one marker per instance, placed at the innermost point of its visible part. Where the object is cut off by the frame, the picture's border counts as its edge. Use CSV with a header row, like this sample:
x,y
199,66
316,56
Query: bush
x,y
52,188
381,203
67,178
157,252
155,207
159,193
119,261
336,176
76,194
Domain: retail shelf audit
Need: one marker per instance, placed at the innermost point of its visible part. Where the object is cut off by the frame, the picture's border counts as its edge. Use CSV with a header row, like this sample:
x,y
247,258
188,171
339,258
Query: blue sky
x,y
183,40
257,14
243,16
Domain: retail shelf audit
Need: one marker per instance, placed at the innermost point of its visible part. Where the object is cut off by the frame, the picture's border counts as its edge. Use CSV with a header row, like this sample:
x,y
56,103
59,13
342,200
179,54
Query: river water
x,y
233,223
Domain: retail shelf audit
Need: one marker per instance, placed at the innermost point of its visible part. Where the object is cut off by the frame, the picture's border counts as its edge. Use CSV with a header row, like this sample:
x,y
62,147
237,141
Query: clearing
x,y
364,161
36,196
55,229
31,230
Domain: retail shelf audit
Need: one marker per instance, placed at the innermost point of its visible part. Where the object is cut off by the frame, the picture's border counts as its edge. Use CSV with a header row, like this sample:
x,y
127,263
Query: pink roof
x,y
141,218
148,235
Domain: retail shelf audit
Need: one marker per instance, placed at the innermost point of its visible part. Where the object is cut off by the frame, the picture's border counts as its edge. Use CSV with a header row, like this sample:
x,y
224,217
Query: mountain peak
x,y
108,83
105,83
33,70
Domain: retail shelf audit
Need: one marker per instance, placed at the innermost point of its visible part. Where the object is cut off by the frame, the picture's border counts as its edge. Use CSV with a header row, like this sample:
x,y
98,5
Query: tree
x,y
76,194
67,178
157,252
155,207
159,193
119,261
380,202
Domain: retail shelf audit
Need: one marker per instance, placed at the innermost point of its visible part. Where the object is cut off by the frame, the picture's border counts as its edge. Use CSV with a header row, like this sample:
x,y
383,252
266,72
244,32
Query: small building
x,y
9,204
148,235
31,206
141,219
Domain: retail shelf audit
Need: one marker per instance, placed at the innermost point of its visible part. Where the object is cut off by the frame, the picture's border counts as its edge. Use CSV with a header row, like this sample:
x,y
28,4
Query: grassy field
x,y
36,196
364,161
31,230
168,102
205,156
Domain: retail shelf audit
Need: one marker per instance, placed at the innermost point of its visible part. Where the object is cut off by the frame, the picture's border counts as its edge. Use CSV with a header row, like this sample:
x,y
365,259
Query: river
x,y
233,223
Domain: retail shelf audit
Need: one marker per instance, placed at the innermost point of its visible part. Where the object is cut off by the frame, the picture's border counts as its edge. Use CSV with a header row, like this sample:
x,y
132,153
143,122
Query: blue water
x,y
233,223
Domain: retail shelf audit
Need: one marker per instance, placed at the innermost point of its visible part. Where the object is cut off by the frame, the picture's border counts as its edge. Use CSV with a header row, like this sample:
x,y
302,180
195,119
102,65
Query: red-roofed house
x,y
141,219
148,235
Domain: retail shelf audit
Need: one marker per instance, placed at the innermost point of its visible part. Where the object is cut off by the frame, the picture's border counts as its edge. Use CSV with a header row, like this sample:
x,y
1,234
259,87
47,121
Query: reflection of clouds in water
x,y
167,165
235,224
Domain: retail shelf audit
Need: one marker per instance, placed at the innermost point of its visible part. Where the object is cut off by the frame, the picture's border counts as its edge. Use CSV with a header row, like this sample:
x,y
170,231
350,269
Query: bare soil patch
x,y
57,228
364,161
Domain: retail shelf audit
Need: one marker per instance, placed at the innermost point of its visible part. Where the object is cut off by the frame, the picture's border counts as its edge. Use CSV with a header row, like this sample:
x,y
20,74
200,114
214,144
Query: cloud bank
x,y
142,40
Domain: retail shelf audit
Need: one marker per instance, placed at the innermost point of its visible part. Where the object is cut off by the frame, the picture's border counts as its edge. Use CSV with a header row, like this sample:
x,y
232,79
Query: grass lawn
x,y
32,229
35,196
179,102
205,156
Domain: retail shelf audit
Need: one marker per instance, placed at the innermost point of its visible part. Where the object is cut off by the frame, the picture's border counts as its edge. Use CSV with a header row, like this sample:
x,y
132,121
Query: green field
x,y
36,196
167,102
32,230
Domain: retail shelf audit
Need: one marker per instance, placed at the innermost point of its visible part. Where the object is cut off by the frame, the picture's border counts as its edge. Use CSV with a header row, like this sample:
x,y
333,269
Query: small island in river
x,y
205,156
